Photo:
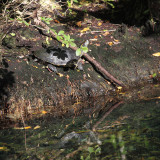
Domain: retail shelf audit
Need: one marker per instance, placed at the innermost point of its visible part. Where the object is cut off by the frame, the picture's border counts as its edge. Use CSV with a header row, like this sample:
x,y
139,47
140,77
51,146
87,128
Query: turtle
x,y
62,57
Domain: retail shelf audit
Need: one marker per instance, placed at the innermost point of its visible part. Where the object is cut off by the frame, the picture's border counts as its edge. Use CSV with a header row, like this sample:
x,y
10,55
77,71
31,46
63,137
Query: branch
x,y
85,55
106,114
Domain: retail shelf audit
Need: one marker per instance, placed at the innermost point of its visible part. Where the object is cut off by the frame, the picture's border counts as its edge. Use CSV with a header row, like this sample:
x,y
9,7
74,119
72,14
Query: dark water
x,y
121,131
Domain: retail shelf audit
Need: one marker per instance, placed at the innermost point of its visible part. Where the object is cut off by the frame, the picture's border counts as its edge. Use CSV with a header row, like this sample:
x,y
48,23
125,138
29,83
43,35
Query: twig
x,y
106,114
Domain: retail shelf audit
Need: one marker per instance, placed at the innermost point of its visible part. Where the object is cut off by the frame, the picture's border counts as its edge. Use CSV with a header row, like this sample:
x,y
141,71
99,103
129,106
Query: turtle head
x,y
79,65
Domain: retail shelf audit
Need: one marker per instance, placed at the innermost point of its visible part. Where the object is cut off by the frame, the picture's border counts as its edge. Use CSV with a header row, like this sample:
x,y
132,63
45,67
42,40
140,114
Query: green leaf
x,y
90,149
78,52
53,31
11,19
154,75
27,24
71,40
65,36
67,45
59,38
61,32
12,34
49,19
82,158
75,1
88,157
98,150
47,40
65,42
85,49
68,36
47,22
72,44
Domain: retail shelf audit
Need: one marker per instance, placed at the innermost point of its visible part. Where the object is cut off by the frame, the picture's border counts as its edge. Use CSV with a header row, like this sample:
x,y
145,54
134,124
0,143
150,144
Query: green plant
x,y
92,151
46,19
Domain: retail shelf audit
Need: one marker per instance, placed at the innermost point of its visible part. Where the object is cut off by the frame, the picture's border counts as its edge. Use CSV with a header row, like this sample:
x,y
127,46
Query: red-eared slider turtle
x,y
63,57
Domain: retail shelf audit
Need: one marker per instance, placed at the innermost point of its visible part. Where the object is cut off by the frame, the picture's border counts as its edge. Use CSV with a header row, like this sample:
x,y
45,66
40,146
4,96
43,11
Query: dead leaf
x,y
100,23
97,44
106,33
110,43
60,74
116,40
67,76
44,112
28,127
85,29
36,127
56,21
79,24
156,54
34,66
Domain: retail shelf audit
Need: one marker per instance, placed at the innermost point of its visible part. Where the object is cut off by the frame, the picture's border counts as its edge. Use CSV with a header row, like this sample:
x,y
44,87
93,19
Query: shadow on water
x,y
6,81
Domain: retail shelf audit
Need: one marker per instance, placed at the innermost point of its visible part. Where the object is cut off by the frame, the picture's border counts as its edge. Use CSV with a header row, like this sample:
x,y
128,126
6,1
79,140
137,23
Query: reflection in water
x,y
110,131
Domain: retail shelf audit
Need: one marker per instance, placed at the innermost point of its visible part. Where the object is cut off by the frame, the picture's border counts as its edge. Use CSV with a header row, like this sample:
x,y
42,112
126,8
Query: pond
x,y
101,129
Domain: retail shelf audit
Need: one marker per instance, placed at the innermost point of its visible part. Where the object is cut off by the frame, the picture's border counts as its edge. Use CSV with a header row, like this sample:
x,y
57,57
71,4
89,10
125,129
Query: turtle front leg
x,y
52,68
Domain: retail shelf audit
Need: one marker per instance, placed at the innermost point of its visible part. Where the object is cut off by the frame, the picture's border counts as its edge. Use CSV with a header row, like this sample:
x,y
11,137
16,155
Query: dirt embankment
x,y
122,51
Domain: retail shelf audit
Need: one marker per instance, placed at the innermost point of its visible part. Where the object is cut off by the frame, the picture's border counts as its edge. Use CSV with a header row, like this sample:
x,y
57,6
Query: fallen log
x,y
101,69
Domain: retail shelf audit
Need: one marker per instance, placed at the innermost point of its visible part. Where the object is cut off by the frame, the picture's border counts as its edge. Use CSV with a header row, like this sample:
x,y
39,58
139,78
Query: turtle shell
x,y
57,56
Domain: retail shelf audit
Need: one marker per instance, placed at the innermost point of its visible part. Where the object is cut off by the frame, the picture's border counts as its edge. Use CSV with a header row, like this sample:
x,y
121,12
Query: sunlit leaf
x,y
116,40
110,43
28,127
78,52
36,127
26,23
60,74
90,149
67,45
156,54
34,66
47,40
44,112
61,32
4,149
71,40
85,49
12,34
59,38
119,87
85,29
154,75
100,23
72,44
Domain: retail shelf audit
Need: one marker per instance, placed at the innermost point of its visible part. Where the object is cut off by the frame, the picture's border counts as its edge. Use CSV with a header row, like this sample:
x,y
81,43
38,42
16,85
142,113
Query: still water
x,y
113,130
